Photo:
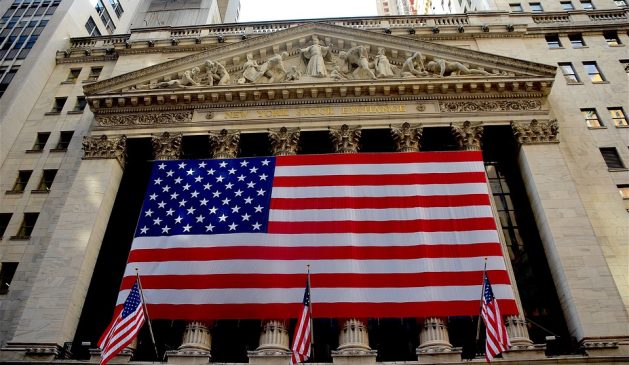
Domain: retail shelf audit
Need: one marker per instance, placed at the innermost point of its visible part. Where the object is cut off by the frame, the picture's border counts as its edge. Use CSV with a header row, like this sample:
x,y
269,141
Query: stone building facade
x,y
543,95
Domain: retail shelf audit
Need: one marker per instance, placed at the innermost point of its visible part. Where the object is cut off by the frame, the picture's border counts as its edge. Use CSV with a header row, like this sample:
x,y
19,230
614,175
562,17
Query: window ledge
x,y
581,47
52,113
75,111
40,191
58,150
618,169
622,126
551,48
20,238
34,151
88,81
68,82
602,127
618,45
574,83
600,82
14,192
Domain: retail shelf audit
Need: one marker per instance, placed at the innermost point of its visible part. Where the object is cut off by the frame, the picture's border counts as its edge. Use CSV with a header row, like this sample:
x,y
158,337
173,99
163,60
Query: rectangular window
x,y
64,140
92,29
621,3
27,226
553,41
104,16
593,72
94,73
46,180
57,107
115,4
576,40
7,271
21,181
591,118
611,157
536,7
569,73
73,75
5,218
567,5
623,190
587,4
516,7
80,104
611,37
40,141
618,116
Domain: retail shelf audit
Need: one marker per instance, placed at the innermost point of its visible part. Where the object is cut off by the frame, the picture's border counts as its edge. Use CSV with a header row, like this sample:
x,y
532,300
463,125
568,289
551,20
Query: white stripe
x,y
378,191
317,215
380,169
128,334
316,240
323,295
317,266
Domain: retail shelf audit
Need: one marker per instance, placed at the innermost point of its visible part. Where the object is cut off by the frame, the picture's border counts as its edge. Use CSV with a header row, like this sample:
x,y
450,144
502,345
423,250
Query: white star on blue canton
x,y
162,166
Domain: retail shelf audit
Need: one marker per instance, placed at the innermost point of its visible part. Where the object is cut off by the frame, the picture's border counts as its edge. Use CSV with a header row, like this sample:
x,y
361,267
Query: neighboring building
x,y
157,13
541,90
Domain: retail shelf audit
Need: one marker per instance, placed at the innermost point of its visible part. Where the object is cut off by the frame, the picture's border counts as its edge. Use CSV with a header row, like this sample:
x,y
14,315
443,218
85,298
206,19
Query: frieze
x,y
115,120
490,106
536,132
103,147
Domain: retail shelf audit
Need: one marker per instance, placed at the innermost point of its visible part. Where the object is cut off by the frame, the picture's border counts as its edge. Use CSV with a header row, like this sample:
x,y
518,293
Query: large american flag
x,y
386,235
497,338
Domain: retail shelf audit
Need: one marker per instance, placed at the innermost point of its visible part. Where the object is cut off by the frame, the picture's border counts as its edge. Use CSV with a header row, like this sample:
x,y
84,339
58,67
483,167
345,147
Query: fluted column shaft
x,y
196,337
434,336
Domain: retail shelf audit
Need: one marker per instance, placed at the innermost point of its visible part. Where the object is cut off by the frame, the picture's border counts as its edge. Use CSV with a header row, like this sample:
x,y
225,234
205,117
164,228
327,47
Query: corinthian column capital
x,y
468,135
166,146
345,139
103,147
284,141
225,143
536,132
406,136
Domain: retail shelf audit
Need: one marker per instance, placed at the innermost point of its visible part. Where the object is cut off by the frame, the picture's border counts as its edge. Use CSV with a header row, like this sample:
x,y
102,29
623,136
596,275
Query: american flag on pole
x,y
302,339
387,234
497,339
124,327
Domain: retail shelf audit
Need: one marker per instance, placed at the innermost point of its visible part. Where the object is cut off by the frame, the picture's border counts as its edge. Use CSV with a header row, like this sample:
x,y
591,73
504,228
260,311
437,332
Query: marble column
x,y
51,313
274,341
468,136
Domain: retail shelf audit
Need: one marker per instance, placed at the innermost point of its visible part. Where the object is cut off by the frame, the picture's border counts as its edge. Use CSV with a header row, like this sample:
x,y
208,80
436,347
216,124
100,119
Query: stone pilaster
x,y
195,346
103,148
225,144
284,141
406,137
345,139
536,132
166,146
468,135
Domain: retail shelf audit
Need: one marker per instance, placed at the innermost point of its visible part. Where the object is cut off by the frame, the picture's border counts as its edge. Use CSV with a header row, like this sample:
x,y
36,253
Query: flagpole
x,y
310,313
146,311
482,295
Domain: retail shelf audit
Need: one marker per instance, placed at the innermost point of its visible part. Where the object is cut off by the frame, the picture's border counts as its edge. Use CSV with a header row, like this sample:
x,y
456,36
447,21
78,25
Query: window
x,y
553,41
611,37
104,16
621,3
115,4
567,5
64,140
587,4
516,7
80,104
611,157
4,83
27,226
46,180
576,40
94,73
40,141
58,105
7,270
618,116
625,65
536,7
91,27
623,190
21,180
592,70
73,75
4,222
591,118
569,73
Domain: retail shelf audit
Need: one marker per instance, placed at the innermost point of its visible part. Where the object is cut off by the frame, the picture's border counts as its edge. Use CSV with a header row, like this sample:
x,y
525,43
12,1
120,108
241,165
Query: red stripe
x,y
314,253
379,158
380,180
226,281
406,226
381,202
322,310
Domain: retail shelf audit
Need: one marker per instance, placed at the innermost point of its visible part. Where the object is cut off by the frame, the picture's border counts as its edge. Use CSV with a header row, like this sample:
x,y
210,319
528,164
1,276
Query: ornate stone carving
x,y
346,139
104,147
443,68
187,79
536,132
114,120
487,106
215,71
284,141
468,136
356,62
166,146
382,65
406,137
414,66
225,143
434,336
270,71
314,59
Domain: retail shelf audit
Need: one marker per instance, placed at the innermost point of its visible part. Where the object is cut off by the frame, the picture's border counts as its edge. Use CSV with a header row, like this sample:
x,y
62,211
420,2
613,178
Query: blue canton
x,y
488,293
207,197
132,302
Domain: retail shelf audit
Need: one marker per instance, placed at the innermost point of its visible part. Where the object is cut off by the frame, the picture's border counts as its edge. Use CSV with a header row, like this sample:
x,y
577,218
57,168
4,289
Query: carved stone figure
x,y
251,71
189,78
284,141
443,68
215,71
406,137
225,143
336,74
166,146
382,65
468,136
293,74
274,69
345,139
314,58
414,66
357,62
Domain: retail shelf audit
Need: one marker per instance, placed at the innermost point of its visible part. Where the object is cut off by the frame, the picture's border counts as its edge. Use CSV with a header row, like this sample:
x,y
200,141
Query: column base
x,y
354,357
269,357
532,352
606,346
438,355
123,356
188,356
19,351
